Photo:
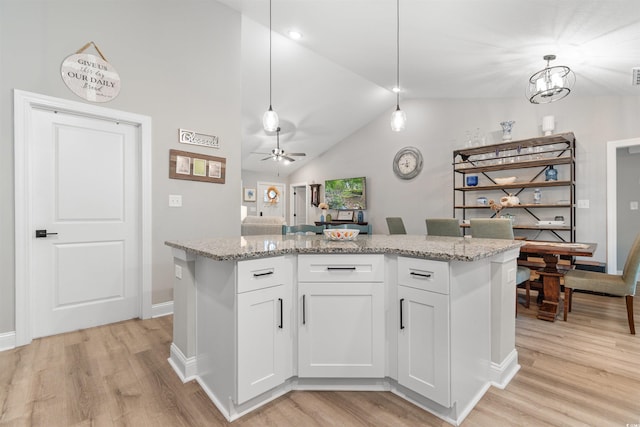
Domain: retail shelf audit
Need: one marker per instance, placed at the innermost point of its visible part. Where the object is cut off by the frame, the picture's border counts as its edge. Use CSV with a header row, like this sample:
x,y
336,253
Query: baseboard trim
x,y
162,309
185,367
7,341
501,374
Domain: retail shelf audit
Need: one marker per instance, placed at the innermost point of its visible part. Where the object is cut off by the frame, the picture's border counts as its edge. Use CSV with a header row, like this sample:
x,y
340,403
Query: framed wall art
x,y
197,167
249,195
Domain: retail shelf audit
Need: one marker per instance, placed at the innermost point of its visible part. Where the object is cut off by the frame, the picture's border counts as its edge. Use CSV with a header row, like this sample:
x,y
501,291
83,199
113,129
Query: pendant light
x,y
550,84
398,117
270,120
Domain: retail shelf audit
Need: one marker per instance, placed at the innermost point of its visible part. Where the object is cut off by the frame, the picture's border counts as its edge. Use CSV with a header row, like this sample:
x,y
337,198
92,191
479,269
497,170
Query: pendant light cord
x,y
397,53
270,55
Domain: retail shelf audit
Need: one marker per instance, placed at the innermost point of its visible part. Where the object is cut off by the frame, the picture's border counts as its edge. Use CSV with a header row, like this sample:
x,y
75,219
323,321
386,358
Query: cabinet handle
x,y
262,274
421,275
401,304
280,326
341,268
304,320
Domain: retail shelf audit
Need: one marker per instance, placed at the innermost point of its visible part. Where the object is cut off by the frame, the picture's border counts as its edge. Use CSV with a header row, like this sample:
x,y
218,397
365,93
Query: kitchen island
x,y
428,318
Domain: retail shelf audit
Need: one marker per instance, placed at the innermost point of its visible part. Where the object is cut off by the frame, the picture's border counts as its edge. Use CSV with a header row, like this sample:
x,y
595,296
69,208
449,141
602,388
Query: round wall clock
x,y
407,163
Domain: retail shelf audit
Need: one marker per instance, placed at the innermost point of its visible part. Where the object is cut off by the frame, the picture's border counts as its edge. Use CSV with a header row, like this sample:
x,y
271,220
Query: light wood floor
x,y
585,372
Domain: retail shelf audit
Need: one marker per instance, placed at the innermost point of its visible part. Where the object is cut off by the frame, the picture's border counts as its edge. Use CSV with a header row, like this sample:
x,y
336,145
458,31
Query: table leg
x,y
551,284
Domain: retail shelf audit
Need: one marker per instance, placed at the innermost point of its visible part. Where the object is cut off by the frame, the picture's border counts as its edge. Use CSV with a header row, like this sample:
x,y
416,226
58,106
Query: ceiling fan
x,y
277,154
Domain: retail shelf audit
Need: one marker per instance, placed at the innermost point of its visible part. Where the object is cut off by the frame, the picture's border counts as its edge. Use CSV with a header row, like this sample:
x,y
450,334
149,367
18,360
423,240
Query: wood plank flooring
x,y
585,372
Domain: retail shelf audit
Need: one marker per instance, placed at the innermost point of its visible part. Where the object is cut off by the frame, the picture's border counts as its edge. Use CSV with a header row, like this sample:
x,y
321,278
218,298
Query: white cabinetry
x,y
423,337
244,337
443,330
341,316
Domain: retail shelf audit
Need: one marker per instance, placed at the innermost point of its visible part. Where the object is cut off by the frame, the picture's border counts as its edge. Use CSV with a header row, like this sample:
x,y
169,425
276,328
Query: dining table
x,y
551,273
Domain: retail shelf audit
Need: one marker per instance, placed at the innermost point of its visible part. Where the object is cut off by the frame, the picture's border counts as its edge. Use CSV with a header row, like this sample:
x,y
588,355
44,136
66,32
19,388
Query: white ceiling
x,y
338,76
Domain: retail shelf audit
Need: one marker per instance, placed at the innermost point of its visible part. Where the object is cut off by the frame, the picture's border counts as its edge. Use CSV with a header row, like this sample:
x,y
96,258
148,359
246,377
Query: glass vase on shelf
x,y
551,174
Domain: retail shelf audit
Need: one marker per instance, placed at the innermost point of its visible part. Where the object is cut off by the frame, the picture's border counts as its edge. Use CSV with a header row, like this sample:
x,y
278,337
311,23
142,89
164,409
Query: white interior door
x,y
85,188
298,205
270,202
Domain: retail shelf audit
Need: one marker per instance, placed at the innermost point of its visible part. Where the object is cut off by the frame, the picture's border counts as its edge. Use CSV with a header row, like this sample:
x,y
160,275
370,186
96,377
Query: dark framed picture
x,y
315,194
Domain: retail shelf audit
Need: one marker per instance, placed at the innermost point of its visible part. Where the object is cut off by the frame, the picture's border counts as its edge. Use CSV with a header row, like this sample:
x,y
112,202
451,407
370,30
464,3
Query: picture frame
x,y
197,167
249,195
345,216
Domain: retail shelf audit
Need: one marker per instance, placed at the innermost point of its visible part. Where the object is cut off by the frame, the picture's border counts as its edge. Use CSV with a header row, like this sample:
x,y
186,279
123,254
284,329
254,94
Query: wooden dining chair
x,y
502,228
443,227
612,284
364,229
395,225
302,229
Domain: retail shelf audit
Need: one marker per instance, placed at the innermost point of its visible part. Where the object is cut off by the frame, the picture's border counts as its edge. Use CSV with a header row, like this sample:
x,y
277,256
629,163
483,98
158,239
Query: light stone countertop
x,y
417,246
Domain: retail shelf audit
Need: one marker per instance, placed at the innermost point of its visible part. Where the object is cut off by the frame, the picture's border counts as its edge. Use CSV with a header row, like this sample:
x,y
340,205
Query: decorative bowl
x,y
341,234
506,180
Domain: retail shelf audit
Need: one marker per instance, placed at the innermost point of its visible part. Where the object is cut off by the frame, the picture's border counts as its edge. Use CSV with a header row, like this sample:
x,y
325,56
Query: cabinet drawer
x,y
261,273
341,268
424,274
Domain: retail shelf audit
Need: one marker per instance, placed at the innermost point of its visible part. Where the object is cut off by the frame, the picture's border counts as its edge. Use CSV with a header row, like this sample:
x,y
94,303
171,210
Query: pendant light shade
x,y
550,84
398,117
270,119
398,120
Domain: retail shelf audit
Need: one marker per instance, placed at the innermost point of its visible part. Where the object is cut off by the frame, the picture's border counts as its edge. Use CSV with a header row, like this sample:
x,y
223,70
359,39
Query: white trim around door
x,y
612,200
24,104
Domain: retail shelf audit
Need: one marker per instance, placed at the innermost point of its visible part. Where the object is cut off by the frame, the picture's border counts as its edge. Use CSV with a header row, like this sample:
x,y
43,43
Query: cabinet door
x,y
423,344
341,330
264,341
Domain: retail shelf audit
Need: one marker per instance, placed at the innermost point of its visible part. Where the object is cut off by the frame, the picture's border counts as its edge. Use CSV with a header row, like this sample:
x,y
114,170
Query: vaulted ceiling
x,y
339,76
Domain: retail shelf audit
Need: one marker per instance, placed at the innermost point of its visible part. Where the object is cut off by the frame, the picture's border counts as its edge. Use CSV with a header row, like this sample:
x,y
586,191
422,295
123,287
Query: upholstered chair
x,y
443,227
612,284
396,225
499,228
302,229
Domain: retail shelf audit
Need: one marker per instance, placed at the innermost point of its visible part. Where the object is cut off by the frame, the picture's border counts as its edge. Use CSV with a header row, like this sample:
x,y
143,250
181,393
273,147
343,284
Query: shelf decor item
x,y
472,180
507,127
551,174
548,124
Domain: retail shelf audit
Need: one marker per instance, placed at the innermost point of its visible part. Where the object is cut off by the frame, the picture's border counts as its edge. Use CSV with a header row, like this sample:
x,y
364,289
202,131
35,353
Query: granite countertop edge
x,y
240,253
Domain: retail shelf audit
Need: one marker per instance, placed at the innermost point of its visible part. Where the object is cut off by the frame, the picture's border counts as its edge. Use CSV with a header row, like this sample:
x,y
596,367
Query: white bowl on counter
x,y
341,234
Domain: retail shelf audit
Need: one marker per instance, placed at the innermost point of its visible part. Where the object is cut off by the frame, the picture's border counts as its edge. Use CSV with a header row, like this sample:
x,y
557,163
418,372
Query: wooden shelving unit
x,y
528,159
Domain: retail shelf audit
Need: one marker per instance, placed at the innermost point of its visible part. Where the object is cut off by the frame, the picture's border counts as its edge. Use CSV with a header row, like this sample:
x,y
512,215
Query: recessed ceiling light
x,y
295,35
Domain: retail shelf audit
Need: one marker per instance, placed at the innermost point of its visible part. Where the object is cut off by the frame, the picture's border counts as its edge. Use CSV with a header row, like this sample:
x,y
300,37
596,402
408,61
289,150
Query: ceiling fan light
x,y
270,120
398,120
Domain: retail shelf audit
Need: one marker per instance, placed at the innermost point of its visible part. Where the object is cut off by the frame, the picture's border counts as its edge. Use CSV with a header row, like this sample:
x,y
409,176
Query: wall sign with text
x,y
194,138
90,77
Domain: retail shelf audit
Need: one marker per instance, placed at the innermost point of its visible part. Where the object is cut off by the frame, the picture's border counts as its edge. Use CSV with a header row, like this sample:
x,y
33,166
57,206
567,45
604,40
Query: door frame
x,y
292,190
283,197
24,104
612,200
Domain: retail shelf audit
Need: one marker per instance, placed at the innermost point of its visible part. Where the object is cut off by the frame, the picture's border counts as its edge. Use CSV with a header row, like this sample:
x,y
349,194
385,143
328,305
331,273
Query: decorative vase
x,y
551,174
471,180
360,217
322,215
506,129
328,217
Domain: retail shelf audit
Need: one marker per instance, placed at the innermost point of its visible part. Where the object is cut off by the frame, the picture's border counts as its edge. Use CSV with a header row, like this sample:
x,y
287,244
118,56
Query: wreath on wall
x,y
273,195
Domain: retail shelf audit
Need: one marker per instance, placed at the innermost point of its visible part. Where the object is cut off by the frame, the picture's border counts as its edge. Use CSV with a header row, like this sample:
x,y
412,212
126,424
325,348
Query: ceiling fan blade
x,y
256,152
289,159
267,158
296,154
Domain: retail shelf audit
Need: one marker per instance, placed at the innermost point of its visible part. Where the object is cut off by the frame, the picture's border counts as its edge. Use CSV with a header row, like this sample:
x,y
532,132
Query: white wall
x,y
180,65
437,127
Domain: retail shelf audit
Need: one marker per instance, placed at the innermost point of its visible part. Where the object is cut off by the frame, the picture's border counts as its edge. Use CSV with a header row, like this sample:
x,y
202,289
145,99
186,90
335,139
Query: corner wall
x,y
180,65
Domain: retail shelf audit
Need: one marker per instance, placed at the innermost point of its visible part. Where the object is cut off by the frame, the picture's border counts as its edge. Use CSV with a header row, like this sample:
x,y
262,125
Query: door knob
x,y
43,233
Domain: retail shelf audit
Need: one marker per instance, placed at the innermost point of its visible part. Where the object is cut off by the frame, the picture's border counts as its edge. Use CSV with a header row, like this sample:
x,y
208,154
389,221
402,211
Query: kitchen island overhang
x,y
479,295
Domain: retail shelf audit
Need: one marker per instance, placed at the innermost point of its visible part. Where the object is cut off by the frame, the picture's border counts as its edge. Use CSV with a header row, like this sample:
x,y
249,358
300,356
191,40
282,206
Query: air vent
x,y
636,77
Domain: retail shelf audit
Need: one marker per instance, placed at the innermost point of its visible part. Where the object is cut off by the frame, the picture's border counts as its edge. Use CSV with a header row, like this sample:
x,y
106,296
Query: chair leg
x,y
570,299
527,287
632,326
567,302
